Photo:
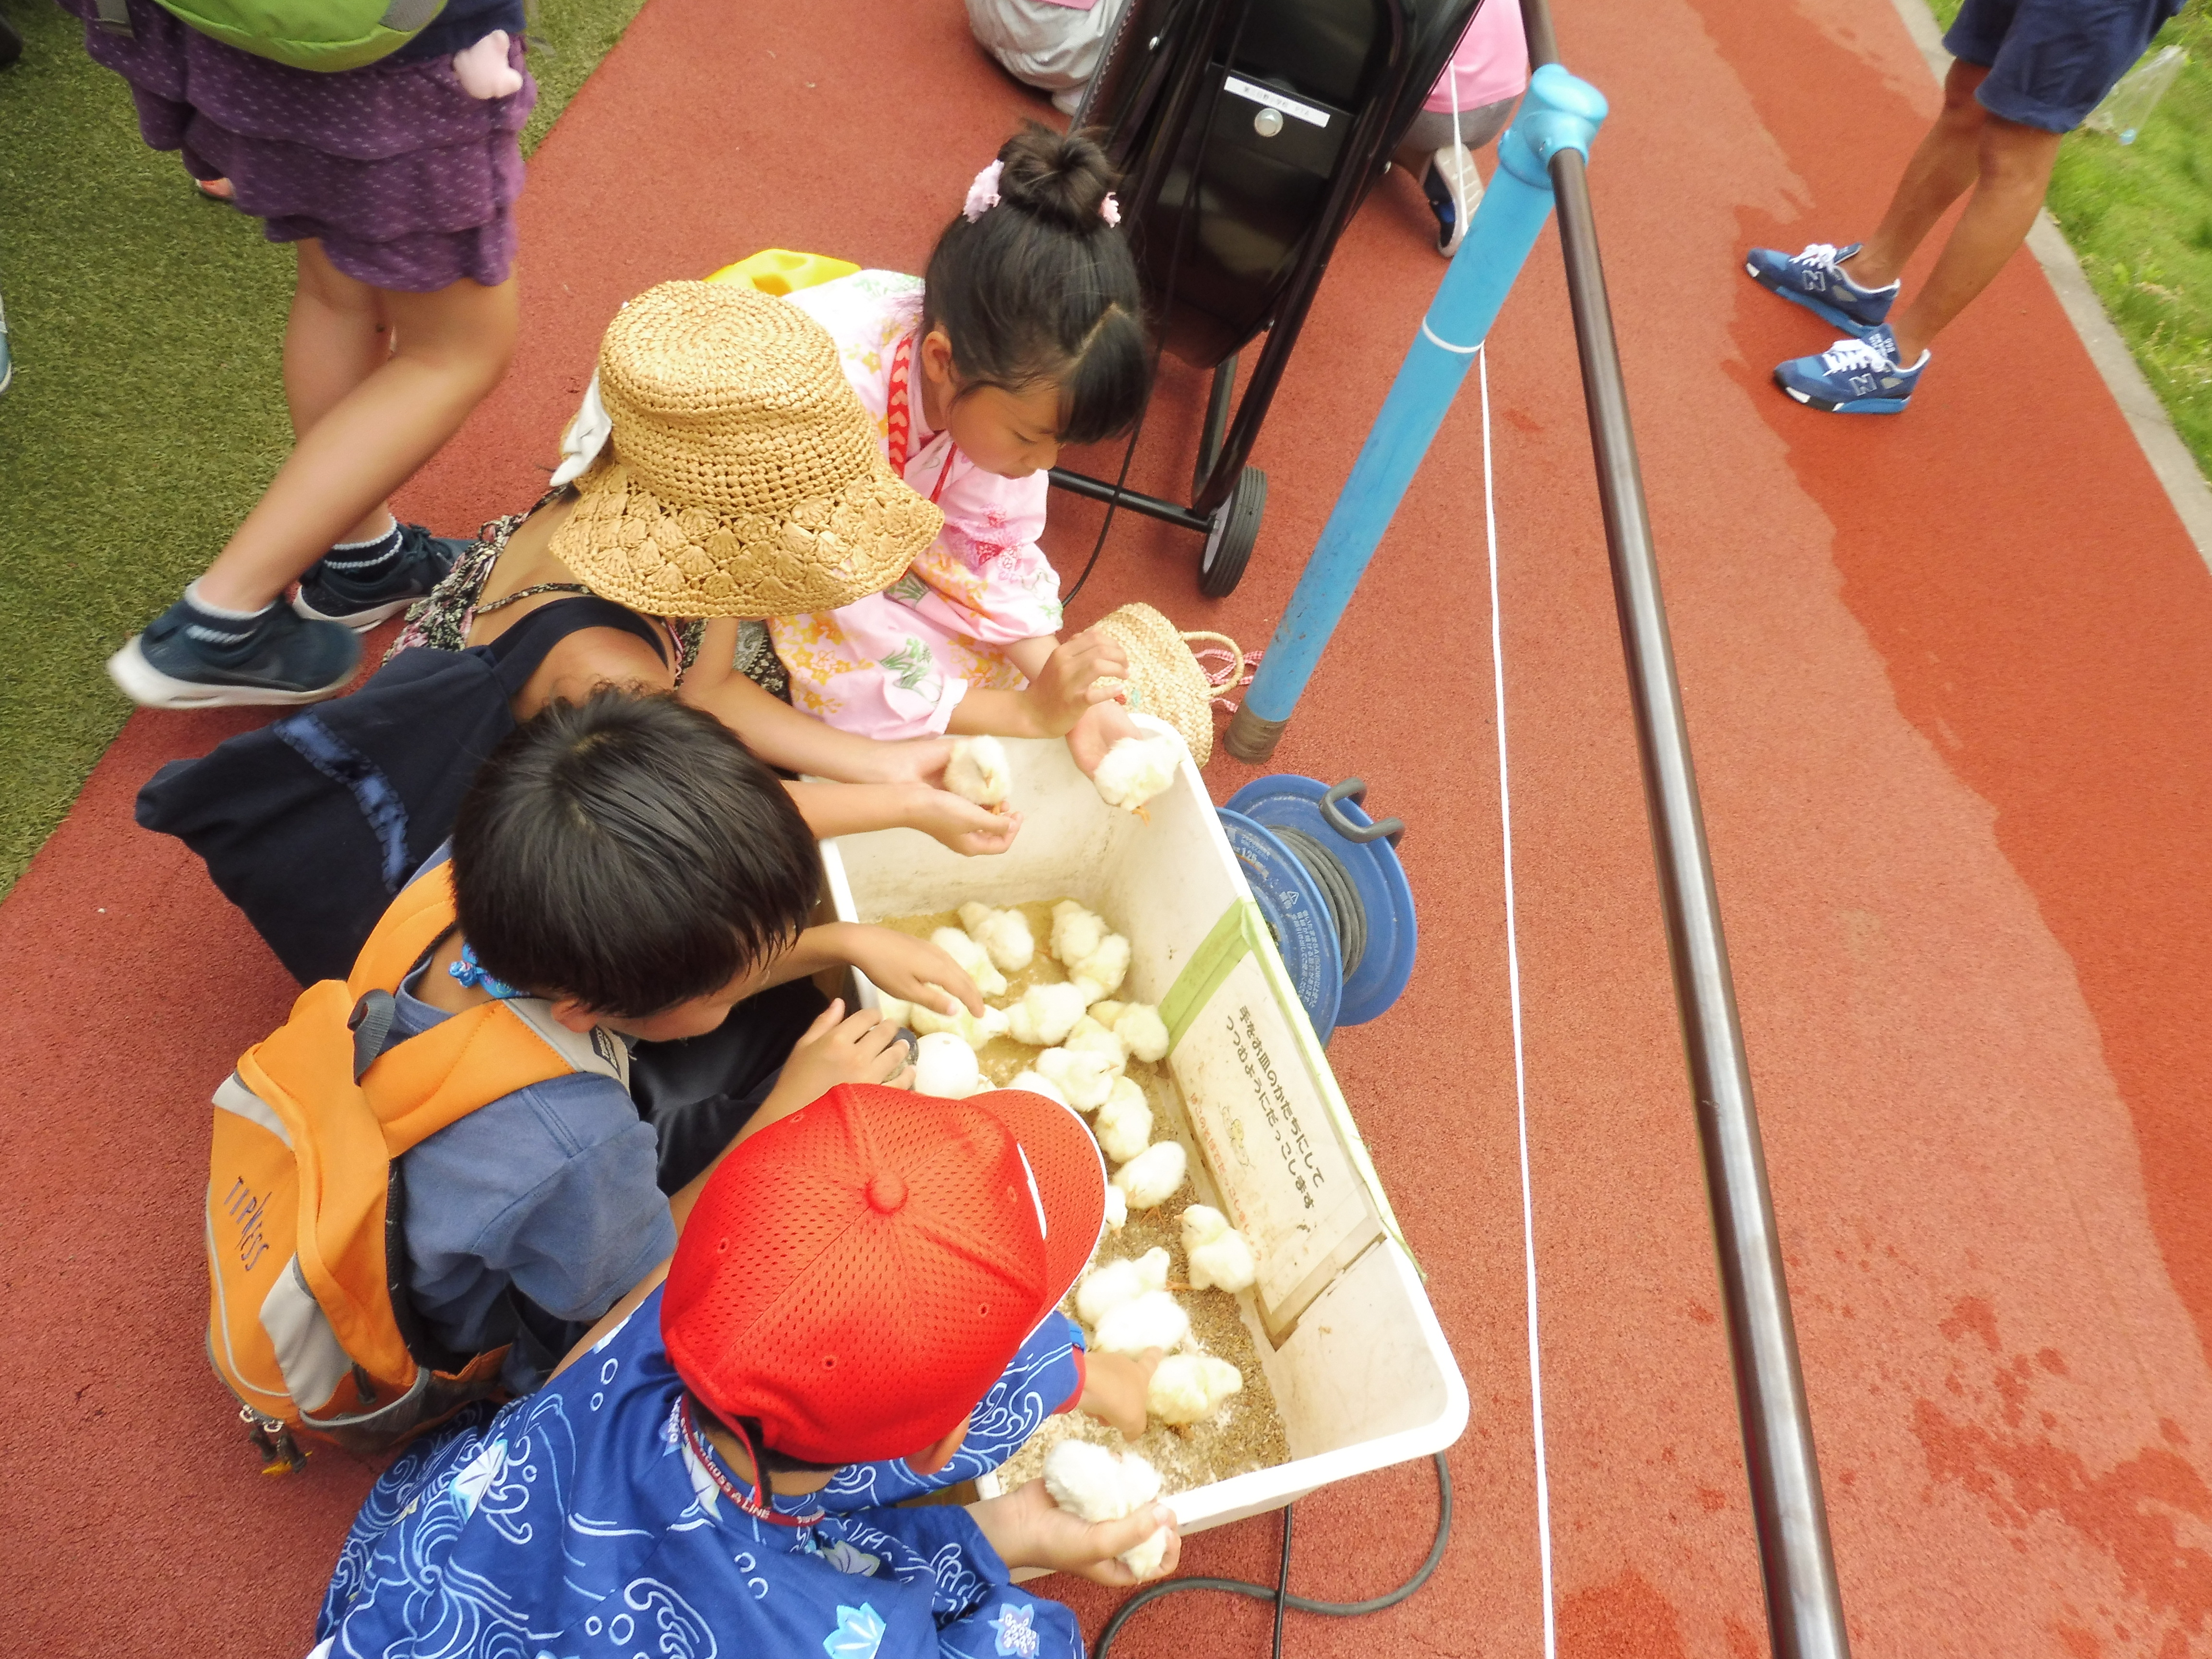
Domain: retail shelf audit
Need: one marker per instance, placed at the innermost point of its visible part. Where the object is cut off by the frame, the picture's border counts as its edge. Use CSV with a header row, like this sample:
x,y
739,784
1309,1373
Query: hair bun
x,y
1063,178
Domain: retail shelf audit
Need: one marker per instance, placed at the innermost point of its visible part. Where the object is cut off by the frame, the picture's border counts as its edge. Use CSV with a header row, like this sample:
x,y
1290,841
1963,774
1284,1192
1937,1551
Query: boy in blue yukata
x,y
863,1302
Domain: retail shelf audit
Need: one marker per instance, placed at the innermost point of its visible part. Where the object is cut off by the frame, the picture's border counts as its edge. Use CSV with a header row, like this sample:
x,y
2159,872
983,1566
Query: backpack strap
x,y
414,922
519,653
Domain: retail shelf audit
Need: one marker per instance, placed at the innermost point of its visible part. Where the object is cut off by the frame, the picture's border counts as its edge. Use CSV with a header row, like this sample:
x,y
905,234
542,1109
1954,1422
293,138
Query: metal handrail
x,y
1804,1609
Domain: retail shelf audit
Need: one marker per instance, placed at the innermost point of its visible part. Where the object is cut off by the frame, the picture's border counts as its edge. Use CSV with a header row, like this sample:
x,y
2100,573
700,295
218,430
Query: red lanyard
x,y
898,417
748,1502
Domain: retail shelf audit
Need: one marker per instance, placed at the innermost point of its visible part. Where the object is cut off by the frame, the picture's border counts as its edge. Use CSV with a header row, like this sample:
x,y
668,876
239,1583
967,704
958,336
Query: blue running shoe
x,y
1815,280
1853,377
189,658
335,589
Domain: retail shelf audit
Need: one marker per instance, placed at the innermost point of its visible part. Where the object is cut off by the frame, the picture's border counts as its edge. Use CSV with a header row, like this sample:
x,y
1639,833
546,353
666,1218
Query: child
x,y
1469,105
397,181
749,432
1052,44
852,1280
621,869
1026,335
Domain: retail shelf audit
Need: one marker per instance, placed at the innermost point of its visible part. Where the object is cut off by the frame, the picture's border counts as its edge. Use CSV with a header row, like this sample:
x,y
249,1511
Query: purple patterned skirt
x,y
407,181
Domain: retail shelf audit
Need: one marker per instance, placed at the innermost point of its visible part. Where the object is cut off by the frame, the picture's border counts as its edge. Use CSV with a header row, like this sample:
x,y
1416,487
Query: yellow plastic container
x,y
778,270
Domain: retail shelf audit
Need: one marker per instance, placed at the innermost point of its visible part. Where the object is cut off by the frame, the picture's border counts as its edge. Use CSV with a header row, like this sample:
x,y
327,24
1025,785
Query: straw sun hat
x,y
743,477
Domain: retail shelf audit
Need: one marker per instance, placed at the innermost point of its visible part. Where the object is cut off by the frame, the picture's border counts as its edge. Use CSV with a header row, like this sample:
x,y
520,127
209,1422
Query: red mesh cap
x,y
858,1275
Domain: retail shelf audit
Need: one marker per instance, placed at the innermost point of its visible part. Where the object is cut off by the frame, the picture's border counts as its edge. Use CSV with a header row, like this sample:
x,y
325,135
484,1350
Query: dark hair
x,y
1042,291
629,852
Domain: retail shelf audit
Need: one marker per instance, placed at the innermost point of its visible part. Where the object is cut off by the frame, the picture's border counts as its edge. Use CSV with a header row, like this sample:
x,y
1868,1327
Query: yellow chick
x,y
1089,1037
1117,1208
1076,931
1137,769
1189,1388
1085,1079
1004,933
1095,1484
1220,1257
1138,1024
945,1067
1152,1320
974,1032
1045,1015
978,771
1040,1085
1100,974
972,959
1151,1178
1124,1127
1104,1289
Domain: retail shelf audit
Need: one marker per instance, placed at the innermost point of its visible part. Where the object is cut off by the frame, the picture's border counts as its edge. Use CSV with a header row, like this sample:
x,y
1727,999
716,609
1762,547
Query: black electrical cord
x,y
1192,203
1280,1593
1337,891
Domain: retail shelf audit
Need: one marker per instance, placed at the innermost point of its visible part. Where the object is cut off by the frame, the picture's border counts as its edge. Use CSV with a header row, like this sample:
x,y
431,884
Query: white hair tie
x,y
983,194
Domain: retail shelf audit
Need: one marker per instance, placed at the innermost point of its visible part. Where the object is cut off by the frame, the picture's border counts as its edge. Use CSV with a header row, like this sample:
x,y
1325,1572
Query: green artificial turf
x,y
147,411
2139,217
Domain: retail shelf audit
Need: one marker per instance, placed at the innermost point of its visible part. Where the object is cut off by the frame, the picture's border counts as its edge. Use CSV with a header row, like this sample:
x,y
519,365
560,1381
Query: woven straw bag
x,y
743,477
1166,680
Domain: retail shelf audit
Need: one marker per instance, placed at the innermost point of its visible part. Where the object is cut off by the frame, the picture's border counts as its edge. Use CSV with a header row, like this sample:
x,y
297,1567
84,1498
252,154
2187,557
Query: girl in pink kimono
x,y
1026,335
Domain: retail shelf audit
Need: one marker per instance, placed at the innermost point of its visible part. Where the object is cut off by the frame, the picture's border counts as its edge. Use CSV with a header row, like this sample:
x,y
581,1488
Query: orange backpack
x,y
309,1321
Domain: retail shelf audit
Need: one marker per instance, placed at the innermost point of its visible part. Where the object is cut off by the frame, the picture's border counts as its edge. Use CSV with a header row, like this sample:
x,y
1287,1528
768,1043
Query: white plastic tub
x,y
1360,1369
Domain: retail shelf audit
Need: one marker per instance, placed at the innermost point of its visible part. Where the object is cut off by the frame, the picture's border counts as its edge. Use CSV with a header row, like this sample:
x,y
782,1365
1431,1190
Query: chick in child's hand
x,y
1085,1079
1151,1178
1152,1320
1045,1015
1137,769
945,1067
1220,1256
1004,933
1076,931
1107,1288
1099,1486
1188,1387
978,771
973,1031
1124,1127
974,961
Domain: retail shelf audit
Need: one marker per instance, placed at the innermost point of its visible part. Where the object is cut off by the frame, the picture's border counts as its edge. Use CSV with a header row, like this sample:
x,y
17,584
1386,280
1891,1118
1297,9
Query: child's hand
x,y
1029,1529
912,970
1116,1389
862,1047
960,825
484,70
1099,729
909,760
1067,684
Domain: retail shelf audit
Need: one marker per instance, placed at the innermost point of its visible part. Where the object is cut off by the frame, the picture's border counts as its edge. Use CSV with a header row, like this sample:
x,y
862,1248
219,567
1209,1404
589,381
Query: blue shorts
x,y
2050,62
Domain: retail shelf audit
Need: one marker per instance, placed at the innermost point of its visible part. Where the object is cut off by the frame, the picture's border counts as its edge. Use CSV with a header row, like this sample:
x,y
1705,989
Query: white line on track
x,y
1520,1061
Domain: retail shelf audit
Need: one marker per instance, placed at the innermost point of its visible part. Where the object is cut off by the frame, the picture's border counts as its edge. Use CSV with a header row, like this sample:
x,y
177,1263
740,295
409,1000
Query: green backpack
x,y
310,34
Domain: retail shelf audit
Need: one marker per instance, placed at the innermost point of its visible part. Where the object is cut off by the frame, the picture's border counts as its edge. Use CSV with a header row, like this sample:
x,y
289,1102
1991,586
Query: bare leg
x,y
337,338
1940,171
450,350
2016,175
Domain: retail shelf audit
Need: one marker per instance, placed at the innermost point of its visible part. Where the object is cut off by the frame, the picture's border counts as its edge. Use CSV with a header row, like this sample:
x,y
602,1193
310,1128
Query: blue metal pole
x,y
1560,112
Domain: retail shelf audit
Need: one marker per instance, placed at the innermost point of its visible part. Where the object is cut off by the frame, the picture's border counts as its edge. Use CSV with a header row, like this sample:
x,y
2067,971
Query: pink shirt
x,y
896,663
1490,63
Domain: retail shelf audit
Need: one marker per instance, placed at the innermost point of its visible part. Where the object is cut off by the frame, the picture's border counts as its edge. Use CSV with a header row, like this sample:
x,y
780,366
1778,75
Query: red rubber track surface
x,y
1947,676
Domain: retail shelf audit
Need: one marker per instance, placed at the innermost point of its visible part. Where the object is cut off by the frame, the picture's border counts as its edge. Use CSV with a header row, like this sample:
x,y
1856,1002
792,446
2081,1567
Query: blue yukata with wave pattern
x,y
575,1525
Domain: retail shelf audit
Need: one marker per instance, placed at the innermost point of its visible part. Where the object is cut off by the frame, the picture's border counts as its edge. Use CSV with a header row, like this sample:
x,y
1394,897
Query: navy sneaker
x,y
1454,190
1815,280
329,592
189,658
1853,377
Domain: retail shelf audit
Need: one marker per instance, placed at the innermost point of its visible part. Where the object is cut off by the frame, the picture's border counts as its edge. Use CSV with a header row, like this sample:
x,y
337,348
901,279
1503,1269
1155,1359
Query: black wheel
x,y
11,44
1229,543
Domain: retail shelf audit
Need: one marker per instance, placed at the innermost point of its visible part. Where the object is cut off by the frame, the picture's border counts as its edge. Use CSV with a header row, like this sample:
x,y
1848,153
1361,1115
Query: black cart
x,y
1285,112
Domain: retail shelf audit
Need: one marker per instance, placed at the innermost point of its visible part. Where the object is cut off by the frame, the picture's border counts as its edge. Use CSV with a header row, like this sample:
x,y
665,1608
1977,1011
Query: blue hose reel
x,y
1327,878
